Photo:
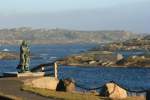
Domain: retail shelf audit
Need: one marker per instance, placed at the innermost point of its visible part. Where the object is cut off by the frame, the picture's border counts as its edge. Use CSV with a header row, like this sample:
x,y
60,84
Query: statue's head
x,y
24,43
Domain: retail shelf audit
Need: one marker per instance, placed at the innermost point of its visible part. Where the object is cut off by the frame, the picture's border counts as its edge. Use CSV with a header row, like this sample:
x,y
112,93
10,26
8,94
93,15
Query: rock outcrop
x,y
8,56
42,82
66,85
112,90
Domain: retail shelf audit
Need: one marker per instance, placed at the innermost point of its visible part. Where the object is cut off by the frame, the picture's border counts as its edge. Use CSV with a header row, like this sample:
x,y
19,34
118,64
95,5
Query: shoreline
x,y
106,59
99,66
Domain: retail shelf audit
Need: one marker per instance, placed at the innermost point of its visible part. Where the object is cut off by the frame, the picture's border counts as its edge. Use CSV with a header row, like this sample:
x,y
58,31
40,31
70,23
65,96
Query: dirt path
x,y
12,86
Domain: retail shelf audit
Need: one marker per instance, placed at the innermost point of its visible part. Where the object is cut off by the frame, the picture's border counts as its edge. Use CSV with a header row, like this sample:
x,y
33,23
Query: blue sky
x,y
36,6
130,15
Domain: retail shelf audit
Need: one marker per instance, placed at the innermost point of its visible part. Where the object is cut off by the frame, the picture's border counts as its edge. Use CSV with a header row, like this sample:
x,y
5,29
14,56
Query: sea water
x,y
90,77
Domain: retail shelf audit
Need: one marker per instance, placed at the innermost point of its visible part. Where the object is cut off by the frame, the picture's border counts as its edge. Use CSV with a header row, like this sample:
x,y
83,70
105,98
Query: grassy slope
x,y
62,95
71,96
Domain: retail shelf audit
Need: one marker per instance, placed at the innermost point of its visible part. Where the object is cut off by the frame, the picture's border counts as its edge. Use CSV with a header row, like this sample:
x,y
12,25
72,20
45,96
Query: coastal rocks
x,y
138,61
107,63
92,62
8,56
76,60
121,62
119,57
91,58
43,82
112,90
106,59
66,85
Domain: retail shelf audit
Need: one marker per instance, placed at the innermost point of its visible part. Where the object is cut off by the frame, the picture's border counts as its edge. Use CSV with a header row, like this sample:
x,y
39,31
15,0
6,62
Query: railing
x,y
147,91
42,67
51,68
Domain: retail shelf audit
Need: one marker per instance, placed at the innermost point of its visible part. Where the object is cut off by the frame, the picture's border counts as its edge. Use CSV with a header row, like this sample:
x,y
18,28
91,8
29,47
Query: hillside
x,y
46,36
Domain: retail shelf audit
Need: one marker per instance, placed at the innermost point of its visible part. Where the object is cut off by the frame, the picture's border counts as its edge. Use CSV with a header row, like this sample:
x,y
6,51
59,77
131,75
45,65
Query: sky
x,y
128,15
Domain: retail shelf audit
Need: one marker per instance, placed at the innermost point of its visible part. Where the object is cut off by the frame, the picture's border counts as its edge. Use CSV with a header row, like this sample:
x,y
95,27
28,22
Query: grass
x,y
72,96
61,95
9,97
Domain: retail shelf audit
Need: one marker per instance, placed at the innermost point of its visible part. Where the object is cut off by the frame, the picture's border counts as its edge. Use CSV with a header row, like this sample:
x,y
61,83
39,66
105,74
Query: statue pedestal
x,y
26,74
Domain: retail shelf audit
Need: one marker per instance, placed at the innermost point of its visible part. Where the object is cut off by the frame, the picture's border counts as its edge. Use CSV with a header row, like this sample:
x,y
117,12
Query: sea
x,y
136,79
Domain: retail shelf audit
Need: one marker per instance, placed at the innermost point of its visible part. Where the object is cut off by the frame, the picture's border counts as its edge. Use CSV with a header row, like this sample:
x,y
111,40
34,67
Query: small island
x,y
8,55
129,53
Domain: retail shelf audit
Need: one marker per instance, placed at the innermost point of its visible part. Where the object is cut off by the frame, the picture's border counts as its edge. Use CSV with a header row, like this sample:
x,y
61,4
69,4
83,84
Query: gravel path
x,y
12,86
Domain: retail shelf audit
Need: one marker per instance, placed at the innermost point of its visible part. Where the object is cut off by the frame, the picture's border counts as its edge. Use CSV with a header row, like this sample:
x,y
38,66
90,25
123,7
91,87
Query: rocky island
x,y
8,55
116,54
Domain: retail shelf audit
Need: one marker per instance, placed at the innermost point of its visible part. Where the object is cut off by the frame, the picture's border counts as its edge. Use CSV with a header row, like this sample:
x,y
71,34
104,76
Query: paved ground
x,y
12,86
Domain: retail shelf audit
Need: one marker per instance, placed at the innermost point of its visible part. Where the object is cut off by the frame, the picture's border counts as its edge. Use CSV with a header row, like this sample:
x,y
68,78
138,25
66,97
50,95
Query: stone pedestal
x,y
26,74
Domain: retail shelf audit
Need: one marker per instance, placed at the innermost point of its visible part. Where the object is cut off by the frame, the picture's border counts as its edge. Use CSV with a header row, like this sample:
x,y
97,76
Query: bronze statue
x,y
24,57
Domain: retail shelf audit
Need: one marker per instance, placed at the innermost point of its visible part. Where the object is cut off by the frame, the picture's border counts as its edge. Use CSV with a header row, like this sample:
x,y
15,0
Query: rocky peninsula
x,y
111,55
105,60
8,55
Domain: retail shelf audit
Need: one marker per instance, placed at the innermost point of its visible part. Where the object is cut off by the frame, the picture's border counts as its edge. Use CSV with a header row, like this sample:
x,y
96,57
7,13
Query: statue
x,y
24,57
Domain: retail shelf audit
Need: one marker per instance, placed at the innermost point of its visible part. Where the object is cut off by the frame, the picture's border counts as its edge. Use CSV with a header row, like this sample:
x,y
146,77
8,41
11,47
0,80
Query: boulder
x,y
122,62
92,62
43,82
66,85
119,57
112,90
148,95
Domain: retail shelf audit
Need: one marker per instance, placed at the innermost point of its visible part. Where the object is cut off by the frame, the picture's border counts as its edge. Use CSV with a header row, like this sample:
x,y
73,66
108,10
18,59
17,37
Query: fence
x,y
53,70
51,67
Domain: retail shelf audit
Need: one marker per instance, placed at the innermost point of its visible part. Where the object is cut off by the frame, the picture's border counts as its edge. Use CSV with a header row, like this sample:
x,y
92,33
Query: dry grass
x,y
71,96
134,98
9,97
62,95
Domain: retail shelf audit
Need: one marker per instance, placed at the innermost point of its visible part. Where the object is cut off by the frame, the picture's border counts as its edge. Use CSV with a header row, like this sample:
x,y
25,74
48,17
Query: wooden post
x,y
42,68
55,70
148,95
